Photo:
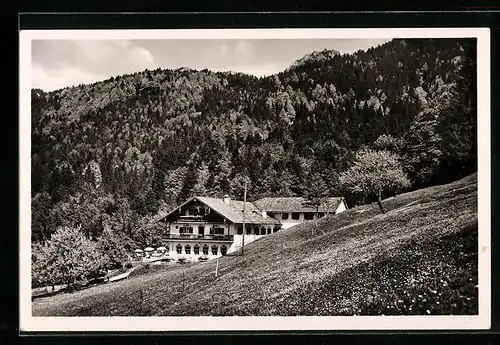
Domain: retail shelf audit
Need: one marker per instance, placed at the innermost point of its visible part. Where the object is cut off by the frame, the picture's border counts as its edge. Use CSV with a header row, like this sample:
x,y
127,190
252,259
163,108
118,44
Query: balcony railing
x,y
199,237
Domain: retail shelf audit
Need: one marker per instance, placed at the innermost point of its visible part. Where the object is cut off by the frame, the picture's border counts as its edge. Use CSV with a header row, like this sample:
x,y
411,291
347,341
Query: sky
x,y
60,63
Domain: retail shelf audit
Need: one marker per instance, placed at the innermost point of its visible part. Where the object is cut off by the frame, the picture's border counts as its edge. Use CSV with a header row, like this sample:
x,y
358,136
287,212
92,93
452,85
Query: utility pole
x,y
244,205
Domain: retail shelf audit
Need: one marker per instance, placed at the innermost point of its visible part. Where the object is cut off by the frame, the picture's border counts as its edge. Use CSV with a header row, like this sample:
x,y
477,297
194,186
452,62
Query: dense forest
x,y
109,156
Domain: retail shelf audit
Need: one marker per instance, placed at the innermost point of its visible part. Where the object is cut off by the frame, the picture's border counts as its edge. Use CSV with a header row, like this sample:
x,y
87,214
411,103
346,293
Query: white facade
x,y
238,241
341,208
289,219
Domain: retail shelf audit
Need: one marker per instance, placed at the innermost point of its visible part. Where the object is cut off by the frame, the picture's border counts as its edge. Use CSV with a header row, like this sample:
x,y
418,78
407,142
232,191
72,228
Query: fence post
x,y
140,298
183,279
216,268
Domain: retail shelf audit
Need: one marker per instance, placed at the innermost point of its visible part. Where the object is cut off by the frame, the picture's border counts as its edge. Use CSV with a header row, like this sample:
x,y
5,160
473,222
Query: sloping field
x,y
418,258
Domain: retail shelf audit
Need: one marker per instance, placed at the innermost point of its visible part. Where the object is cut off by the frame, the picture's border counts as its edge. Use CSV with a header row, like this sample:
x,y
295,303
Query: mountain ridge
x,y
316,55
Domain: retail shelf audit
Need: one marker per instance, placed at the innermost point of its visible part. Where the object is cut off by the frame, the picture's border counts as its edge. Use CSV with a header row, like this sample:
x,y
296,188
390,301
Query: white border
x,y
29,323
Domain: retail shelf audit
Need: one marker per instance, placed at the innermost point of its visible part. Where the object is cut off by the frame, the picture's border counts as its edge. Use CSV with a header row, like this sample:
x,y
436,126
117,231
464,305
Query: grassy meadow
x,y
419,258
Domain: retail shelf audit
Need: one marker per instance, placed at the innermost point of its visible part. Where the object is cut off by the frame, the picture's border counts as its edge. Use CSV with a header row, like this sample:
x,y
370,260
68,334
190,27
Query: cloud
x,y
60,63
243,47
53,79
223,48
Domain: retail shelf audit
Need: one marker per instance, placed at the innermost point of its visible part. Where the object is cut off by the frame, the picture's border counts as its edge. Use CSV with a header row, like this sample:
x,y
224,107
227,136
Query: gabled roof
x,y
233,211
296,204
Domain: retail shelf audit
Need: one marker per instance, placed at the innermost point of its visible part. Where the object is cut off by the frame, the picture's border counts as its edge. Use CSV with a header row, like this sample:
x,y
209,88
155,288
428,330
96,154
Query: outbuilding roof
x,y
296,204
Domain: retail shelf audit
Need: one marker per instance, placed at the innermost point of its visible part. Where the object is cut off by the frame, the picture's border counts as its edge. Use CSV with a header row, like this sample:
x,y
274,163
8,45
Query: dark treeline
x,y
109,156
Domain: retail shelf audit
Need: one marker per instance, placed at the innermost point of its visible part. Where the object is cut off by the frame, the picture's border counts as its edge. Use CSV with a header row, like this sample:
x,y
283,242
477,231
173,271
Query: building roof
x,y
296,204
233,210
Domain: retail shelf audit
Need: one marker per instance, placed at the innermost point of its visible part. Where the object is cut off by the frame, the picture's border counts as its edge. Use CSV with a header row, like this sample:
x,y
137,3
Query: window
x,y
269,231
179,249
249,230
240,229
196,250
186,230
218,230
262,231
284,216
215,250
295,215
321,214
205,250
276,229
223,250
187,248
308,215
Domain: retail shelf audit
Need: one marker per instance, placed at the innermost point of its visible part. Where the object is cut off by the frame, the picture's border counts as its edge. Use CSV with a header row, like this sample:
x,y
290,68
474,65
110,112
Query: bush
x,y
128,265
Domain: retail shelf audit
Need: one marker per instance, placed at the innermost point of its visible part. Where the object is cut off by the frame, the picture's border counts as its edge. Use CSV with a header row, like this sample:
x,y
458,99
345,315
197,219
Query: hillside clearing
x,y
418,258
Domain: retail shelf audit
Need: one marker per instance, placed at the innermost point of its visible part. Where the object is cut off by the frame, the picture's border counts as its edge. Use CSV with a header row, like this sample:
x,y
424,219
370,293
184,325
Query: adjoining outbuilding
x,y
290,211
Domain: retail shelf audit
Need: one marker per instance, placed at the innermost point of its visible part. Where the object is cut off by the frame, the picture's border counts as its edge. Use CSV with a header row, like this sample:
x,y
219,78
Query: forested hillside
x,y
110,155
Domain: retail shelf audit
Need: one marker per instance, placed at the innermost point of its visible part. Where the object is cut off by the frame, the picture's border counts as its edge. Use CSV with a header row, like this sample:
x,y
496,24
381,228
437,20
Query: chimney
x,y
226,199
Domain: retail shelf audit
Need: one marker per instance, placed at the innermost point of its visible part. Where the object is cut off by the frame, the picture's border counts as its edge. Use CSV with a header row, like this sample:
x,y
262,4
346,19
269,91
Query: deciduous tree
x,y
373,173
67,257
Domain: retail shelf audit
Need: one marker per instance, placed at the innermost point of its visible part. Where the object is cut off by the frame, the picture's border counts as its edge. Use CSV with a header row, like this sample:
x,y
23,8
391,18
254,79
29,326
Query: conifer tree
x,y
316,193
422,151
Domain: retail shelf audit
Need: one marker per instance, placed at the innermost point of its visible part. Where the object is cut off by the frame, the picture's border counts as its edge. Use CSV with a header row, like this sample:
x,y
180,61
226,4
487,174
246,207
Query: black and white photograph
x,y
255,179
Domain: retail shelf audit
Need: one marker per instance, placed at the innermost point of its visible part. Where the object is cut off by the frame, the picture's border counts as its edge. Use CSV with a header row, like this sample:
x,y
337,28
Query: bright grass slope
x,y
419,258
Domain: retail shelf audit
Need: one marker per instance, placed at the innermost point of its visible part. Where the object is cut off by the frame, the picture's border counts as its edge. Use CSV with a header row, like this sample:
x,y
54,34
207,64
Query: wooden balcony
x,y
198,237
